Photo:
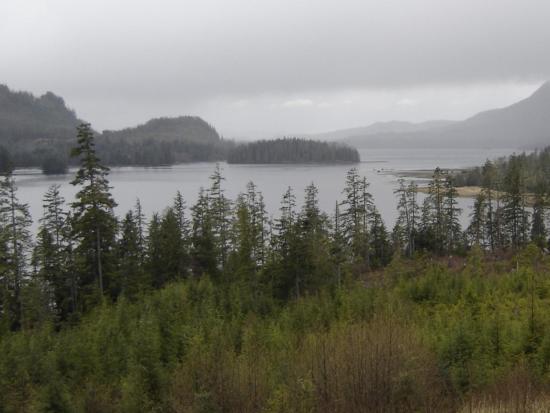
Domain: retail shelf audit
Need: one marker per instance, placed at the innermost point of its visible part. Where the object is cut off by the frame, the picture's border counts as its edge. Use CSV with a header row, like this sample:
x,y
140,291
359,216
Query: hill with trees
x,y
219,308
163,141
292,150
39,132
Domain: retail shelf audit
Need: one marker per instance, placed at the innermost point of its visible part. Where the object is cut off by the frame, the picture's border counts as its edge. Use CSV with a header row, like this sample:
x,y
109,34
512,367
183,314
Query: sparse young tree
x,y
451,218
53,254
219,209
406,226
515,204
15,240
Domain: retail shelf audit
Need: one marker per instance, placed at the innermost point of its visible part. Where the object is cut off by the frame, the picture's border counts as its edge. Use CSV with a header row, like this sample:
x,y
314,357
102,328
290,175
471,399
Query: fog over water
x,y
156,187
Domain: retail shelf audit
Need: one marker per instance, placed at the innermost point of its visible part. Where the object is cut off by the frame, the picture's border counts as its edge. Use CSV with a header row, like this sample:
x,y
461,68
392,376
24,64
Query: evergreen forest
x,y
216,307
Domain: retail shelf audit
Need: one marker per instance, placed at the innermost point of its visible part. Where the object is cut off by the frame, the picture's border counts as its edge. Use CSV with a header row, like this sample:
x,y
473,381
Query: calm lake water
x,y
156,187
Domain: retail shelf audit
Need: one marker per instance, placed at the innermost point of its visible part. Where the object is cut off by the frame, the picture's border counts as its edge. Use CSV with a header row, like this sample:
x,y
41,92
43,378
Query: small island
x,y
292,150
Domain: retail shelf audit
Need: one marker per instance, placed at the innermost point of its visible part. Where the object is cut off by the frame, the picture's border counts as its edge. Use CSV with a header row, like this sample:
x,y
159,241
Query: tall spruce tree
x,y
94,224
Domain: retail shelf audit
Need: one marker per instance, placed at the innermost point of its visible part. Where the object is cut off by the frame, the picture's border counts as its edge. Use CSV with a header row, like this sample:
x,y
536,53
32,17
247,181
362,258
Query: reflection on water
x,y
156,187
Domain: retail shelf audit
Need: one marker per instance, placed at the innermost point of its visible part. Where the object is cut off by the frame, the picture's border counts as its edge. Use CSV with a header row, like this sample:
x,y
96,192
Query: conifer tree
x,y
53,254
478,227
154,259
258,222
406,225
491,196
132,277
219,210
313,243
338,250
539,233
204,255
242,262
15,239
451,218
514,203
94,224
356,217
287,273
140,225
381,251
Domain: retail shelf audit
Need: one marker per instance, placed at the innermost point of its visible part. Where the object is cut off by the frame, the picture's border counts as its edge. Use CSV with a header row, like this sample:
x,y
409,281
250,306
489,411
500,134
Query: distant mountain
x,y
525,124
381,128
39,130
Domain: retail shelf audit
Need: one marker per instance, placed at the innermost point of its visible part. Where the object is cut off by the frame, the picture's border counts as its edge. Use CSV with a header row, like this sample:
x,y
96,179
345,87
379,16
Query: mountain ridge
x,y
525,123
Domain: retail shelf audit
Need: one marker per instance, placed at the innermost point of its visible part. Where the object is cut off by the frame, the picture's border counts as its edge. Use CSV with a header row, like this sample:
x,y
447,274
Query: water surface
x,y
156,187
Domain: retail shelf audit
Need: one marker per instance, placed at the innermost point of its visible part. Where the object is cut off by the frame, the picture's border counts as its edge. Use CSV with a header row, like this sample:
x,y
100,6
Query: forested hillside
x,y
292,150
219,308
33,129
39,132
535,169
163,141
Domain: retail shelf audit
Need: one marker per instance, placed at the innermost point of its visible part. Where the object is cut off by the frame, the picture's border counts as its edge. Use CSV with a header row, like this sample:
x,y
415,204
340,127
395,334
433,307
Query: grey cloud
x,y
186,53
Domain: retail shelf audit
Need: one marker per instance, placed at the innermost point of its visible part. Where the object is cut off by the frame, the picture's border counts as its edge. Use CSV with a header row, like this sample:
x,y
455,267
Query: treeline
x,y
292,150
219,308
534,167
84,253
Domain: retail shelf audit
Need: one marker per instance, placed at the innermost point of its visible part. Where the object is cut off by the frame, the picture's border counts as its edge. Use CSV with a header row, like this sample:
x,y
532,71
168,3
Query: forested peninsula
x,y
292,150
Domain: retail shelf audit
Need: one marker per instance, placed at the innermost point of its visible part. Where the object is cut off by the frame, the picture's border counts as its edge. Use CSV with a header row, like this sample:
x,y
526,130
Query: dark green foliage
x,y
54,163
6,163
53,255
94,225
15,242
292,150
131,278
533,165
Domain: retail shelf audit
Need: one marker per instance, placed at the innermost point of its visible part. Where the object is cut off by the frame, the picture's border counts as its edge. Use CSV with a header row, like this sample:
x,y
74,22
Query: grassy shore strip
x,y
473,191
422,173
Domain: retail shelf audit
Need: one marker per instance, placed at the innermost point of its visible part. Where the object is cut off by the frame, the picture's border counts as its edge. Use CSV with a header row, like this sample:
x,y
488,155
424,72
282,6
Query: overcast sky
x,y
257,68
